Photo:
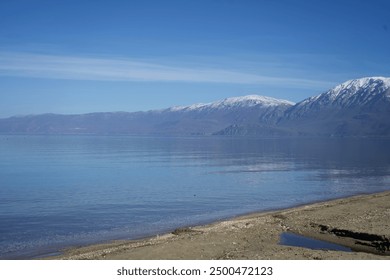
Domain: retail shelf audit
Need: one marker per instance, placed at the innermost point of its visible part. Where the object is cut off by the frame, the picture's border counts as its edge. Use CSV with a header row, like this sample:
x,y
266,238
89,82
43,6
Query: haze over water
x,y
58,191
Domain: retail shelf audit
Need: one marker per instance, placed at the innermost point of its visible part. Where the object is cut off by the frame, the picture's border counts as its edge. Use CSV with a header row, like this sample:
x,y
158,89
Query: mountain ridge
x,y
359,107
193,119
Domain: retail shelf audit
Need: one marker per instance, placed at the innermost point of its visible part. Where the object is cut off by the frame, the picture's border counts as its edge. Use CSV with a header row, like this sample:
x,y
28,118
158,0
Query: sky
x,y
73,57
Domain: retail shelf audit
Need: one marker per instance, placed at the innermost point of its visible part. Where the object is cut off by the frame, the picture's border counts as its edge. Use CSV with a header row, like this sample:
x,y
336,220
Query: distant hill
x,y
358,107
198,119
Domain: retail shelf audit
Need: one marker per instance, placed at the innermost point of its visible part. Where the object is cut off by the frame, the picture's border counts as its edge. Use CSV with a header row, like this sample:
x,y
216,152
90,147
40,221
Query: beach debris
x,y
185,230
380,243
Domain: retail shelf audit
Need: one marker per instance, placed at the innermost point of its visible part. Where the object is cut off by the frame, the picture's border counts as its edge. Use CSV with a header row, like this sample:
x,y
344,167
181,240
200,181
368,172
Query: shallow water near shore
x,y
297,240
59,191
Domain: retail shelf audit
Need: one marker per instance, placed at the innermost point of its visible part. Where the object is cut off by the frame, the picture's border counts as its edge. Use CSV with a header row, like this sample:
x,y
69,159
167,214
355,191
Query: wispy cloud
x,y
123,69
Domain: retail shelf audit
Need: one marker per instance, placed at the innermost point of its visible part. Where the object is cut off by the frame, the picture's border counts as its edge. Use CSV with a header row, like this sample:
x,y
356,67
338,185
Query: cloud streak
x,y
122,69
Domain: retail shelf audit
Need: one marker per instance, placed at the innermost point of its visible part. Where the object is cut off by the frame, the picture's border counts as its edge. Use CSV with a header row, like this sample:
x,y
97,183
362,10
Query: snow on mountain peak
x,y
363,83
251,100
358,92
242,101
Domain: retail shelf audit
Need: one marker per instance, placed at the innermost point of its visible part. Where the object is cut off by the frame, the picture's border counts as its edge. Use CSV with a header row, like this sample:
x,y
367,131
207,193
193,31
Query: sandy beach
x,y
361,223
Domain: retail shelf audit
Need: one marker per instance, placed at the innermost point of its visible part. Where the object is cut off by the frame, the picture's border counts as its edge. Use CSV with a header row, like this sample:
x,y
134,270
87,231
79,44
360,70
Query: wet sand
x,y
360,222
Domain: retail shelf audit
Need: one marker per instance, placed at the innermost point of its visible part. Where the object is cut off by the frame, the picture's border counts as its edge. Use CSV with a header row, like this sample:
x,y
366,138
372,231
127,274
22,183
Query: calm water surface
x,y
58,191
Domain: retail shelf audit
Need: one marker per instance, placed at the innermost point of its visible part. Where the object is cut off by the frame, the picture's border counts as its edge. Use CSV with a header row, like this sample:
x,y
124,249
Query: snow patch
x,y
243,101
367,83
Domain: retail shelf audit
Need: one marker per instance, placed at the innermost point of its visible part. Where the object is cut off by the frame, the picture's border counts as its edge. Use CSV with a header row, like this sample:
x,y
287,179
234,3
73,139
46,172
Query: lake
x,y
60,191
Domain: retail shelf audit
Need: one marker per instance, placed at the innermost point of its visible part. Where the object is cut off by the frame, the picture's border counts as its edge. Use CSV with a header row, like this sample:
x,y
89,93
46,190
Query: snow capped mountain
x,y
208,118
235,102
353,93
362,83
356,107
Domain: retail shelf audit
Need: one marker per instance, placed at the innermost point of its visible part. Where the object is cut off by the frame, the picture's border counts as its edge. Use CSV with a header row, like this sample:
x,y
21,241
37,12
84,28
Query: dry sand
x,y
360,222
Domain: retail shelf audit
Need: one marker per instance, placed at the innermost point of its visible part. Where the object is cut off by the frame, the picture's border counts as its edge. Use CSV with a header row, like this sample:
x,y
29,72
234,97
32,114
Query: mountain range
x,y
358,107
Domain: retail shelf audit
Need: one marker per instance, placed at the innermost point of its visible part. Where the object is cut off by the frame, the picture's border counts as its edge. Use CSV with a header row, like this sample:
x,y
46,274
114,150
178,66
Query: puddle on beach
x,y
293,239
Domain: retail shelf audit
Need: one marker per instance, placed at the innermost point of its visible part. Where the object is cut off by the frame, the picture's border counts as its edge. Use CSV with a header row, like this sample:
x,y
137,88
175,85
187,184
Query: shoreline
x,y
360,222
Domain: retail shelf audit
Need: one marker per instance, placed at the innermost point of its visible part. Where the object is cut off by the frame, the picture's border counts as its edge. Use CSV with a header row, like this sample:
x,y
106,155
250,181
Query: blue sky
x,y
87,56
